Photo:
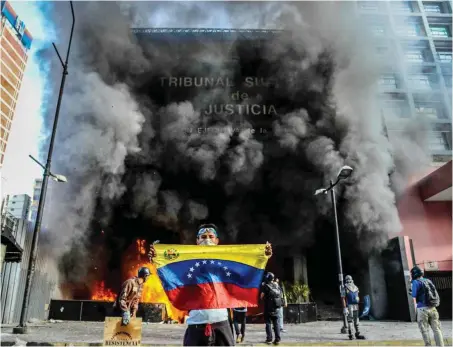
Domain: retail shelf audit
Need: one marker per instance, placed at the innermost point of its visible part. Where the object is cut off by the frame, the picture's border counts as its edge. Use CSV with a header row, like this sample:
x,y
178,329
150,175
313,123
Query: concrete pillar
x,y
3,252
376,286
300,268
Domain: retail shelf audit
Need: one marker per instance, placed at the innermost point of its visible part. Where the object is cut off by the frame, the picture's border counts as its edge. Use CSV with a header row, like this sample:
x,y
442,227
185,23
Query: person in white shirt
x,y
209,327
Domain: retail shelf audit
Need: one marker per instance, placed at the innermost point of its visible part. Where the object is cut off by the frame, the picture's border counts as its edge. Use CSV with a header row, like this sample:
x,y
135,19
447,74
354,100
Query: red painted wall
x,y
429,225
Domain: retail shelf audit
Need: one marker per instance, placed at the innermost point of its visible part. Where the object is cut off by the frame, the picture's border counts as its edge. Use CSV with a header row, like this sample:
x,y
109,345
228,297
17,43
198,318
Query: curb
x,y
448,342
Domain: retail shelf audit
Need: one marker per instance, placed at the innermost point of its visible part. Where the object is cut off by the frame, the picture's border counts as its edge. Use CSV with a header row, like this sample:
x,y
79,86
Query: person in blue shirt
x,y
426,315
352,307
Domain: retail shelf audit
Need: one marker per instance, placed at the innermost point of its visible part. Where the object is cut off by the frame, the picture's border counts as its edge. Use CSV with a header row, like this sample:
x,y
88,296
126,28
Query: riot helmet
x,y
144,273
269,277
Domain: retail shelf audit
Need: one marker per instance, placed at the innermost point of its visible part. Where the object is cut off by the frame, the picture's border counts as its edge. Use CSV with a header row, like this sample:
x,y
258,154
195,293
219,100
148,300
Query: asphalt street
x,y
316,333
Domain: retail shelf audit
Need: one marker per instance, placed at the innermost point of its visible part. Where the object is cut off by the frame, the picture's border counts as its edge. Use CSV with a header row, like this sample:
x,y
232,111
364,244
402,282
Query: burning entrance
x,y
148,158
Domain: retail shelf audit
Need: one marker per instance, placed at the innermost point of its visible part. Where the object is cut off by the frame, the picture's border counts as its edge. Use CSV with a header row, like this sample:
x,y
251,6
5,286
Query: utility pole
x,y
22,328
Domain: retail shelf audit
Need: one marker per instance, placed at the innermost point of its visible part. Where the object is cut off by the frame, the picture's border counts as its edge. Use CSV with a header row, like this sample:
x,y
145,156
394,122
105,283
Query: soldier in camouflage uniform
x,y
126,303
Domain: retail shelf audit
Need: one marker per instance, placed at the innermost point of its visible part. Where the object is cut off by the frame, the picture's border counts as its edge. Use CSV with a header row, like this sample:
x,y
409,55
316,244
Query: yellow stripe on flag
x,y
252,255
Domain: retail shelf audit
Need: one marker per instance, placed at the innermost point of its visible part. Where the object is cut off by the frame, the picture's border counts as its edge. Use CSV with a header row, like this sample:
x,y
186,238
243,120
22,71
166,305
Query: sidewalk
x,y
324,333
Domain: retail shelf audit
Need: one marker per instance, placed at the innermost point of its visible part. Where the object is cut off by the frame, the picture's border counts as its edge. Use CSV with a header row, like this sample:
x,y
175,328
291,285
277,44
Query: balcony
x,y
390,82
404,7
439,142
423,78
433,8
409,27
417,52
9,231
431,106
440,28
371,6
395,109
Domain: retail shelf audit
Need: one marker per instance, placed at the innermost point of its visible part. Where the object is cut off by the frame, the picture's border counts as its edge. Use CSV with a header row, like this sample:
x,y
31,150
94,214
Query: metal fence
x,y
13,281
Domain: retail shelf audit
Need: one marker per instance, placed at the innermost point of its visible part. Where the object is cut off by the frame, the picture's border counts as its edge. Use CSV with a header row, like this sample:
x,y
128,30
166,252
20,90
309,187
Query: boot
x,y
358,336
350,335
344,330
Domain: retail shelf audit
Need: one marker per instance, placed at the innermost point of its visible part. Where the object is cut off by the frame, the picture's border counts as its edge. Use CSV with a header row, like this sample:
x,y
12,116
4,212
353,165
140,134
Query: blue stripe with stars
x,y
202,271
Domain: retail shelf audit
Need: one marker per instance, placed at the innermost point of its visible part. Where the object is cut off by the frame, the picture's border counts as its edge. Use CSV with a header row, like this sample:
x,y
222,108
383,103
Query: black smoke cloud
x,y
124,152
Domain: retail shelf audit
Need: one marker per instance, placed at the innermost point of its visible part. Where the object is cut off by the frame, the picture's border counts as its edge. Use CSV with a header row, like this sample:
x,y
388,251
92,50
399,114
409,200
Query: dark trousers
x,y
239,318
221,335
272,319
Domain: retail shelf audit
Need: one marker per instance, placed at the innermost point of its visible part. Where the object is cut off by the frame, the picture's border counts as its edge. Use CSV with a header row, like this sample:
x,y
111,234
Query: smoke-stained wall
x,y
128,153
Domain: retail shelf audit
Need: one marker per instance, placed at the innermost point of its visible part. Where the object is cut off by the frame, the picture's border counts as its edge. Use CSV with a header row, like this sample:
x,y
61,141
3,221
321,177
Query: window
x,y
395,109
432,7
388,82
369,5
439,31
419,82
429,110
377,30
409,29
437,141
414,55
402,6
445,57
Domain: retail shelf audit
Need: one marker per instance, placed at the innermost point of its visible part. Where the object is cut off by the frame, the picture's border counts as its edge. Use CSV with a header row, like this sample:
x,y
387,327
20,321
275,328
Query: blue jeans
x,y
280,318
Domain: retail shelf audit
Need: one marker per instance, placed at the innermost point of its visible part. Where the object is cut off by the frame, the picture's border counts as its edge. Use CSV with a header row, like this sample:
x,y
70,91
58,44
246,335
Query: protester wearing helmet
x,y
352,307
126,303
209,327
272,296
427,299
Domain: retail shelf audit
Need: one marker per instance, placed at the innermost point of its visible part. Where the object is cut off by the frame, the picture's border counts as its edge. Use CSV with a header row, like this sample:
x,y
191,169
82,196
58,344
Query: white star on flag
x,y
189,275
212,261
219,263
192,269
197,264
228,274
204,261
225,268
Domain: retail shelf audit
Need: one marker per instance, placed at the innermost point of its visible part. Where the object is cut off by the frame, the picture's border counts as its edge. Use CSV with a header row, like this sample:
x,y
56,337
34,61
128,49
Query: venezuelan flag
x,y
208,277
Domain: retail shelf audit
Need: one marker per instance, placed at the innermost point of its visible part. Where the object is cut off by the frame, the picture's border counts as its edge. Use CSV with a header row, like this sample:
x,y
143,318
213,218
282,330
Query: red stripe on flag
x,y
213,295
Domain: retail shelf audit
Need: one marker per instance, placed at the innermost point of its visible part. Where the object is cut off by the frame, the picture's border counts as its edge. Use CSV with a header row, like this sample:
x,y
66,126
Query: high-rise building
x,y
35,200
15,41
416,36
17,206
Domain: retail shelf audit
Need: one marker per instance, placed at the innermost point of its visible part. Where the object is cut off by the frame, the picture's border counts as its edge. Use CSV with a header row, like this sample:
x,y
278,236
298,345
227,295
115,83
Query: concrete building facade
x,y
15,41
18,205
416,36
35,199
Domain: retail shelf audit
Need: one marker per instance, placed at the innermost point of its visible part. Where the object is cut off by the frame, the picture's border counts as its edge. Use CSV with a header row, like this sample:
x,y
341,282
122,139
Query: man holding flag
x,y
207,282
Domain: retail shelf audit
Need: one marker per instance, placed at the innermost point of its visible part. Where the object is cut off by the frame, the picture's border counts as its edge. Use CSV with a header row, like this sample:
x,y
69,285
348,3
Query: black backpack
x,y
275,297
431,296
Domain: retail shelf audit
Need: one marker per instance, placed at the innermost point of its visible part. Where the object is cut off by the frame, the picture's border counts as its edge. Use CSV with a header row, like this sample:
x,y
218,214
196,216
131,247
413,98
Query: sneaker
x,y
242,338
359,337
238,338
276,342
268,342
283,331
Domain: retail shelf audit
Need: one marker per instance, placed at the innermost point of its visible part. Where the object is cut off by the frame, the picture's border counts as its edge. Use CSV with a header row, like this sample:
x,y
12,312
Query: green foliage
x,y
297,292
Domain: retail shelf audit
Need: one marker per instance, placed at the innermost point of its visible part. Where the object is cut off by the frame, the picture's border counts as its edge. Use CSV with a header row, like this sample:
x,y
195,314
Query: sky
x,y
19,171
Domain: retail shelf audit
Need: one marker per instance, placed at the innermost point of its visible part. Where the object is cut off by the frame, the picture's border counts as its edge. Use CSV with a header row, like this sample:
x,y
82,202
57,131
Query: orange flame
x,y
153,292
100,293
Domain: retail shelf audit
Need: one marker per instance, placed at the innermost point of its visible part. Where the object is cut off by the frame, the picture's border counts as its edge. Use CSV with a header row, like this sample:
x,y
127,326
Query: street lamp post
x,y
22,328
344,173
